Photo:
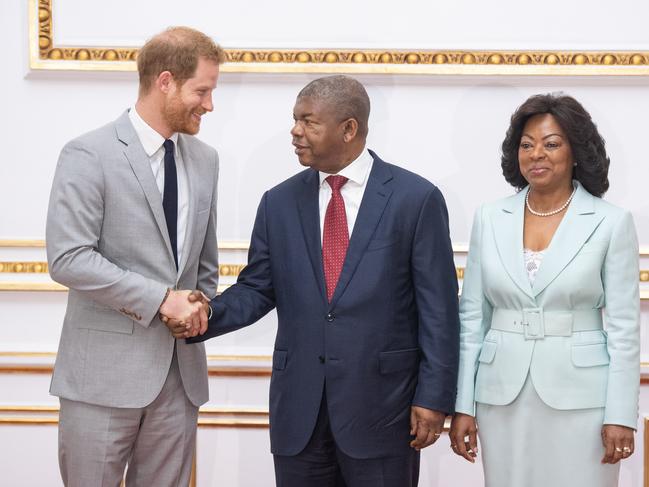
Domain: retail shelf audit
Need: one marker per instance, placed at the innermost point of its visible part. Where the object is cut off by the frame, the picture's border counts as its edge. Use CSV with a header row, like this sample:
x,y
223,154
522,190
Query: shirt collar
x,y
356,172
149,138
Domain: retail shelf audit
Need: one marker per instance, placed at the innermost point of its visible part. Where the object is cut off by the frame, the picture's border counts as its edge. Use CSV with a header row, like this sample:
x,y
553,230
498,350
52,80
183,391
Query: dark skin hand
x,y
618,443
426,426
464,426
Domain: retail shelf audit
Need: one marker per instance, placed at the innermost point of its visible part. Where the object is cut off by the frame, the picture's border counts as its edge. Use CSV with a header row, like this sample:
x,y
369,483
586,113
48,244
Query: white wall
x,y
448,129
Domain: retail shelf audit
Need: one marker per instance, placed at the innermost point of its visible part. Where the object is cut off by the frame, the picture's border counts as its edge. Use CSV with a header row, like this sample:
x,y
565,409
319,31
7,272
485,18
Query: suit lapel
x,y
308,208
376,197
141,167
189,162
577,225
508,233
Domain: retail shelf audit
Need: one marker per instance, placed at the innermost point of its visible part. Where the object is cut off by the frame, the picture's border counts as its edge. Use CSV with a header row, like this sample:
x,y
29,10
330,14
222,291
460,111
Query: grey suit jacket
x,y
108,242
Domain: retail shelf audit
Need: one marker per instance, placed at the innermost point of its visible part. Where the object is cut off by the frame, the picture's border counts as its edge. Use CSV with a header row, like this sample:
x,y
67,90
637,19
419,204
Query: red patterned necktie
x,y
335,235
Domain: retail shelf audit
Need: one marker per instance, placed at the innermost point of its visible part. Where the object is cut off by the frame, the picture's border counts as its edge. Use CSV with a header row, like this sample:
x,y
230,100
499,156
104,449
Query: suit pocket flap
x,y
279,359
488,352
396,360
380,243
590,355
104,319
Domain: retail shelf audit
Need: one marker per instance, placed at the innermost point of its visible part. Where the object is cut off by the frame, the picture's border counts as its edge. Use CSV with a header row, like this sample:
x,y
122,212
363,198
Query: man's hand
x,y
198,296
185,316
462,427
426,426
618,442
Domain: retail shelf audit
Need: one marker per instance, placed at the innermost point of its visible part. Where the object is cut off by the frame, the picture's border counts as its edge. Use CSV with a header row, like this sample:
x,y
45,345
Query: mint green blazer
x,y
553,329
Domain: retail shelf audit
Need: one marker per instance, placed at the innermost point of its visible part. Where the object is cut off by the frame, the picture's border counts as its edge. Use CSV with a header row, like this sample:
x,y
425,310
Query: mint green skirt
x,y
529,444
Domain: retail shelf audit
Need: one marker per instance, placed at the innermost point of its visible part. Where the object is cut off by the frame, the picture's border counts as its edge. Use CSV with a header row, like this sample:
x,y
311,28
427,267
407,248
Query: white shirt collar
x,y
357,171
150,139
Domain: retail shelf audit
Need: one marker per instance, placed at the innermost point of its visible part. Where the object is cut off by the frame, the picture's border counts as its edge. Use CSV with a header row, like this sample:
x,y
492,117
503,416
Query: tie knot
x,y
168,145
336,182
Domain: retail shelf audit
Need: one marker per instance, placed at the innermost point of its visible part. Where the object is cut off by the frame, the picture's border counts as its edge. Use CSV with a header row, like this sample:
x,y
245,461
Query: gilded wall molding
x,y
24,267
240,245
17,286
45,54
225,270
31,267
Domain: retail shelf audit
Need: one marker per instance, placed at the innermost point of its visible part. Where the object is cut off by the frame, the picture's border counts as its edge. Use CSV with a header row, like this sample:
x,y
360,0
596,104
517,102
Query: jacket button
x,y
321,359
330,317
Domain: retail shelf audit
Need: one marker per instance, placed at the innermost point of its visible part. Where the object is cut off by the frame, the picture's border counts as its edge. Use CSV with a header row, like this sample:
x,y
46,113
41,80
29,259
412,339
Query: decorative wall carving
x,y
45,54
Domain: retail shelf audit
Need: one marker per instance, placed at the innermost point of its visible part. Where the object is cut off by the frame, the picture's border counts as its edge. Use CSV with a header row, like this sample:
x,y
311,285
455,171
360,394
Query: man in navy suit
x,y
360,268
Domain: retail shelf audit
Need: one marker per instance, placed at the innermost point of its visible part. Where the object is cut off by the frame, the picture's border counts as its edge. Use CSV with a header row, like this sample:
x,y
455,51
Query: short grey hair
x,y
345,95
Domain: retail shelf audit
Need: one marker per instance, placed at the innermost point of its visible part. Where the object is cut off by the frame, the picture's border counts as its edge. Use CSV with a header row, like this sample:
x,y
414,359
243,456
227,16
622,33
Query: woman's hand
x,y
618,442
463,425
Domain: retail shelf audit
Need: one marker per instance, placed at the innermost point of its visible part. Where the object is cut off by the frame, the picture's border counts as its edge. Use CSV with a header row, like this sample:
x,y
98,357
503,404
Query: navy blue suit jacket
x,y
388,339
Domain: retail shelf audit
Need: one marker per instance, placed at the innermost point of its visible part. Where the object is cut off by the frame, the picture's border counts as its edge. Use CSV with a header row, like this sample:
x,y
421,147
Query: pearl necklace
x,y
548,213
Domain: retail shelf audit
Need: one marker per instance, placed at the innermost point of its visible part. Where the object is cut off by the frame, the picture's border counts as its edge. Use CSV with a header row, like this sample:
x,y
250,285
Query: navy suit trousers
x,y
323,464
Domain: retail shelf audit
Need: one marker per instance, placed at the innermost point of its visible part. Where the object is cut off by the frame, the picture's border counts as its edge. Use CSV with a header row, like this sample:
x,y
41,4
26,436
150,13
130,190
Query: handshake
x,y
185,313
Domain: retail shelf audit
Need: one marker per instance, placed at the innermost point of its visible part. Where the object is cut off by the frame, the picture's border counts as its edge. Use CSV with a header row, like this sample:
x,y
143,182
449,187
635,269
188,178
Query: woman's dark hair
x,y
587,145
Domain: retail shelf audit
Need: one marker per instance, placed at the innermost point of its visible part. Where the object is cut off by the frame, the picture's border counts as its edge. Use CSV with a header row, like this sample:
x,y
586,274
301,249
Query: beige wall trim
x,y
35,243
18,286
210,357
204,410
208,416
226,423
211,423
212,370
238,371
234,245
26,369
13,421
240,358
216,411
27,354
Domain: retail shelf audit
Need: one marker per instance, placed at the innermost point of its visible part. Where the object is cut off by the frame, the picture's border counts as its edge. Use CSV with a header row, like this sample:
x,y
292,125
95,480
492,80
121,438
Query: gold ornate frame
x,y
44,54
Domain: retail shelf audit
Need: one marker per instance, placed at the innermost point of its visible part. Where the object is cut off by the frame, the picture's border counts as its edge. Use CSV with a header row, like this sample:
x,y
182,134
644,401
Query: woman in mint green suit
x,y
550,351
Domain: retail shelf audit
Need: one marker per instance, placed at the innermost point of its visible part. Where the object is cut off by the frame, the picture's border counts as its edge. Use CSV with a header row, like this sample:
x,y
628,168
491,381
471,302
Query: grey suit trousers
x,y
157,441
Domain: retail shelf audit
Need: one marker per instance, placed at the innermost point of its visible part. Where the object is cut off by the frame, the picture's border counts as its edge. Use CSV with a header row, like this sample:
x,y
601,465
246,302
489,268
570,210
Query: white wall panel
x,y
448,129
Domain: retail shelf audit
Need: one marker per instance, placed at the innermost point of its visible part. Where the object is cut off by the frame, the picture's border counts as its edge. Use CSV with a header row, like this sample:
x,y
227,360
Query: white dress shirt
x,y
152,142
352,191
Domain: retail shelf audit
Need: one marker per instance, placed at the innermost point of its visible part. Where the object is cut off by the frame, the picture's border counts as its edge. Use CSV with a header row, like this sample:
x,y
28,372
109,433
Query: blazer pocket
x,y
488,352
590,355
380,243
397,360
200,212
279,359
105,319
